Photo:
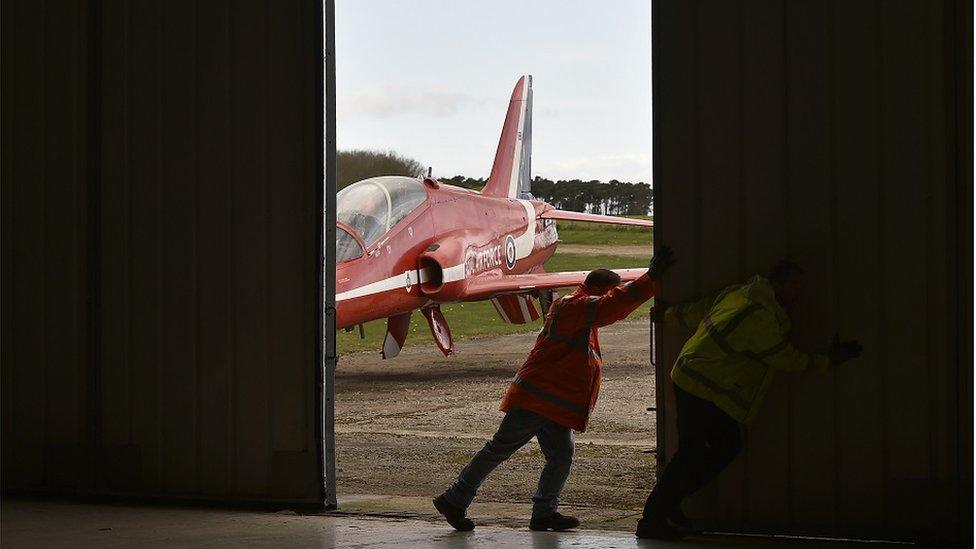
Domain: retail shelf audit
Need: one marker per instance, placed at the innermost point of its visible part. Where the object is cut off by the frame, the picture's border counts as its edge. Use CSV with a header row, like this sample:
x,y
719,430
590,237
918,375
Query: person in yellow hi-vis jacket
x,y
741,340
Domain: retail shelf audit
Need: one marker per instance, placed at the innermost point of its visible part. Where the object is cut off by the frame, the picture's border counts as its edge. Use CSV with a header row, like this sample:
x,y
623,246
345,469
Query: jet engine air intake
x,y
431,275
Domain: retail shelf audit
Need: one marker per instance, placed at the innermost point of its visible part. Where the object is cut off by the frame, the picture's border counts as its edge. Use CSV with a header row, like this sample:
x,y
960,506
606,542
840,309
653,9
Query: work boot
x,y
555,522
657,529
455,515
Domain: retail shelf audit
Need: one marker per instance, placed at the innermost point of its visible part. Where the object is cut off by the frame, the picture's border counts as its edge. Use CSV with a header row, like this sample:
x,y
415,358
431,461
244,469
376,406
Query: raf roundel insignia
x,y
510,252
409,283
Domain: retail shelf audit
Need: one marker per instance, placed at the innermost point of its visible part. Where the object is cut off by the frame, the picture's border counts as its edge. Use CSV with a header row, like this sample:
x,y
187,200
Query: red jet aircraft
x,y
406,243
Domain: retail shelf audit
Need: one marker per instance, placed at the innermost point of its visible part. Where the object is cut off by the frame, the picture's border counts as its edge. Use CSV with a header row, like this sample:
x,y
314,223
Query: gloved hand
x,y
842,351
660,262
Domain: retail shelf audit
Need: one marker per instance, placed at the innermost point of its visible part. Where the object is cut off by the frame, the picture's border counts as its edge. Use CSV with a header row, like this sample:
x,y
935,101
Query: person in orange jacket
x,y
554,392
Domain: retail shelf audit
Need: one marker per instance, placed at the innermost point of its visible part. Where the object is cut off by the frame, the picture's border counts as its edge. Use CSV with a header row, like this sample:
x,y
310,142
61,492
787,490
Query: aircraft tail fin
x,y
511,174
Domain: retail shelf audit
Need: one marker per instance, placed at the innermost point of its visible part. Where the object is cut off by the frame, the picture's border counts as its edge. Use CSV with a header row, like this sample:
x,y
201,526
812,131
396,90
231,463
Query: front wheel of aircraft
x,y
439,329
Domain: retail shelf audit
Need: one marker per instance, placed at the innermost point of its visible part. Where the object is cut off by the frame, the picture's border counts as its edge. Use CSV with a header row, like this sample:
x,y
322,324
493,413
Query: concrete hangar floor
x,y
32,523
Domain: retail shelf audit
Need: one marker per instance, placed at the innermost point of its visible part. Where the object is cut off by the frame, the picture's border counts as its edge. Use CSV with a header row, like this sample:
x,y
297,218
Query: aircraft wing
x,y
594,218
489,286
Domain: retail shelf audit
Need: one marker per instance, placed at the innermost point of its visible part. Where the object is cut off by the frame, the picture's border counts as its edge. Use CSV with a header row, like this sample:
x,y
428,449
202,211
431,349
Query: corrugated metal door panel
x,y
180,251
288,230
294,275
29,245
809,229
943,391
206,236
145,256
57,237
859,444
215,273
44,311
320,251
958,28
904,172
942,400
7,238
765,238
719,251
65,239
675,55
120,467
843,167
251,254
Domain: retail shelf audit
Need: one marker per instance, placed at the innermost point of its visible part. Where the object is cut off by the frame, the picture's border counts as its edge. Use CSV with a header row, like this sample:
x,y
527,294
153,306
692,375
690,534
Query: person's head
x,y
601,281
786,276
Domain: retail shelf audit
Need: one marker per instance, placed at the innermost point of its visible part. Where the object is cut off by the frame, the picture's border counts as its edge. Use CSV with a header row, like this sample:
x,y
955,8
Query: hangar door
x,y
162,253
829,132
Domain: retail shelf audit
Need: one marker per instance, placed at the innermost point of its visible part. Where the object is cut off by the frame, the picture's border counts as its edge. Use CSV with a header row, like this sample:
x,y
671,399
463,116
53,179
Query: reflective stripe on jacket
x,y
560,379
740,343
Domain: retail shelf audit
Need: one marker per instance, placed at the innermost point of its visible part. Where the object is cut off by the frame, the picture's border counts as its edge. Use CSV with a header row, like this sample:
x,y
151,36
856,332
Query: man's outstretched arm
x,y
775,351
619,302
685,315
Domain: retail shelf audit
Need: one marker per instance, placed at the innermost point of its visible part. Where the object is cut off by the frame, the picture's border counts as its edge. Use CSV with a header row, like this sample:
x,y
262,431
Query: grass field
x,y
571,232
479,319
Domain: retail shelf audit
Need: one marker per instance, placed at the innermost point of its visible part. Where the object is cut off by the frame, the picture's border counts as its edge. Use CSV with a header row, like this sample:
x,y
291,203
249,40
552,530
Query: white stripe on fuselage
x,y
395,282
523,248
525,242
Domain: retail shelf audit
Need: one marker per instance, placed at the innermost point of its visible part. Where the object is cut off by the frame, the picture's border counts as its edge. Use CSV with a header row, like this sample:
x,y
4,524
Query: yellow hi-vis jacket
x,y
740,343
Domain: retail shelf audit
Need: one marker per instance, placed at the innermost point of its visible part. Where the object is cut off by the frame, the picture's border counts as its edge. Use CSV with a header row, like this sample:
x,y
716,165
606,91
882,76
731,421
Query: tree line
x,y
356,165
607,198
593,196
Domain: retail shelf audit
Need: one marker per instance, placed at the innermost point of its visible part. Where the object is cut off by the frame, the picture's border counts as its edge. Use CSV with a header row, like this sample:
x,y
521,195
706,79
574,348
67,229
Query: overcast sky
x,y
431,79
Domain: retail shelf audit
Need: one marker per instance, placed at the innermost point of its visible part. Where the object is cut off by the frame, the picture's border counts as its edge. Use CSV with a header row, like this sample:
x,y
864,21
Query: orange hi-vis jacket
x,y
561,377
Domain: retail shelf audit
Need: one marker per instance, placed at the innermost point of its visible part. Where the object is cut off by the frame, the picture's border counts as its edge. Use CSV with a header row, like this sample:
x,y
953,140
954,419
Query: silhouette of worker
x,y
554,392
720,379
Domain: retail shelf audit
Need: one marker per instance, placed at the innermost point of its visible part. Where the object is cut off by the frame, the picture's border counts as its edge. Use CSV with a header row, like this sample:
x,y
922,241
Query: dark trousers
x,y
517,428
708,440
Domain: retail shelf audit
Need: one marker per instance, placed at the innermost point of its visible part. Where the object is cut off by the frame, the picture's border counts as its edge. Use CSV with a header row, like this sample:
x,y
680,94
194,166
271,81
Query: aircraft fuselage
x,y
428,256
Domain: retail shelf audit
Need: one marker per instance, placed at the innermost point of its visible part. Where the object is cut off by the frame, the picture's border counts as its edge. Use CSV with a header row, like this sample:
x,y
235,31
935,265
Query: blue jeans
x,y
517,428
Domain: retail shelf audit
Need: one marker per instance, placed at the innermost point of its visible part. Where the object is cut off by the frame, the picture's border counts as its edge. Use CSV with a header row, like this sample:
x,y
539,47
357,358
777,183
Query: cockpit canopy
x,y
372,207
347,247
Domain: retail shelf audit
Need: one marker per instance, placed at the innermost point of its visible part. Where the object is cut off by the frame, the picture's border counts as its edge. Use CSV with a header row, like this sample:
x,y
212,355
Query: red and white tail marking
x,y
511,173
515,309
